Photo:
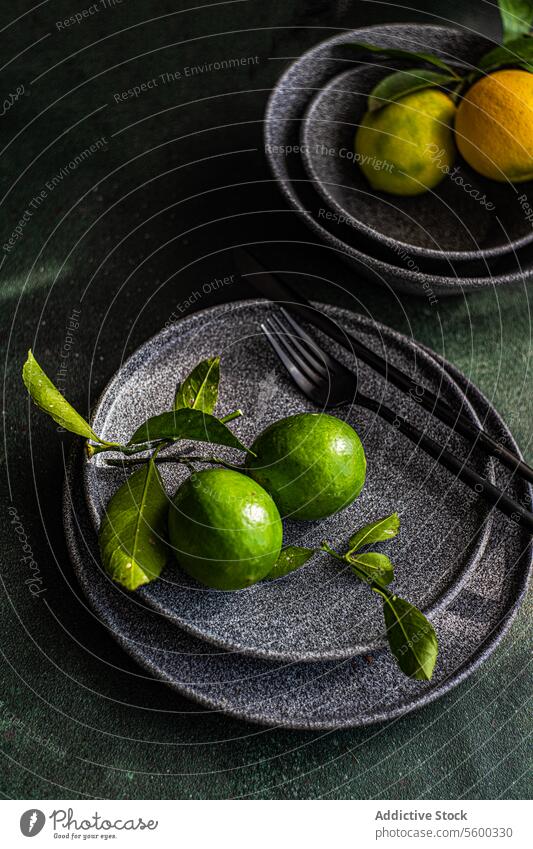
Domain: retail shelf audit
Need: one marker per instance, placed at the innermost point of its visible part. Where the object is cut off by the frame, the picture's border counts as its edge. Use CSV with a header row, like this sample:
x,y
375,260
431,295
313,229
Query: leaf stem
x,y
329,550
230,416
91,449
182,458
128,450
382,591
357,570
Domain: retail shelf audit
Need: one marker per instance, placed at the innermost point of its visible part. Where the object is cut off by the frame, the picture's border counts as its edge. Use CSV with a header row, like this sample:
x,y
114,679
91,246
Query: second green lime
x,y
312,464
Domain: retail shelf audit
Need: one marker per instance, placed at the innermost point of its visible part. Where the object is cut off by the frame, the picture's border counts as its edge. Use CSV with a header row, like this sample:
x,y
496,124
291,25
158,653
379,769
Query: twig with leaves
x,y
515,51
412,638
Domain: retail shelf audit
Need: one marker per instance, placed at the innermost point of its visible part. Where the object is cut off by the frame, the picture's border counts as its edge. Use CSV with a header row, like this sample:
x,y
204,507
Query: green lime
x,y
225,529
312,464
407,147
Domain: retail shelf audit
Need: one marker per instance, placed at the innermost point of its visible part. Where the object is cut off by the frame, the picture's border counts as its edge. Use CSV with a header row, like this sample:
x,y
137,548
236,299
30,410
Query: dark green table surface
x,y
125,237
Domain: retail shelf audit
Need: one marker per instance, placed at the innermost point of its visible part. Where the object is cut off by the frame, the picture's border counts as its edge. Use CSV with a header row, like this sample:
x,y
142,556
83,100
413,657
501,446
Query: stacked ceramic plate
x,y
308,650
467,233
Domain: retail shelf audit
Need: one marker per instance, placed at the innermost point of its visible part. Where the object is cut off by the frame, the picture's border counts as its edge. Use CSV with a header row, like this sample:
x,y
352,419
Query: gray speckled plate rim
x,y
405,279
128,367
487,646
358,224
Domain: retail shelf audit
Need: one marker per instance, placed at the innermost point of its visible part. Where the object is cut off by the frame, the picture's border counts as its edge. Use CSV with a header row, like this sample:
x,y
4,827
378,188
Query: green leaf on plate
x,y
374,566
50,399
378,531
517,17
517,52
290,558
199,391
133,532
395,53
186,424
412,638
396,85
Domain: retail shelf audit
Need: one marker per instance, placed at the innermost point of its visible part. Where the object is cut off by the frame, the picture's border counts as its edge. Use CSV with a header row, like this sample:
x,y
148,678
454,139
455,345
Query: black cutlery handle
x,y
484,488
475,435
425,397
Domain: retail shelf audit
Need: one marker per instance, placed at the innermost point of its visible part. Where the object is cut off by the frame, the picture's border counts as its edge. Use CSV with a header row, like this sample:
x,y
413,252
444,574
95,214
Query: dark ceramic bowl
x,y
283,119
465,218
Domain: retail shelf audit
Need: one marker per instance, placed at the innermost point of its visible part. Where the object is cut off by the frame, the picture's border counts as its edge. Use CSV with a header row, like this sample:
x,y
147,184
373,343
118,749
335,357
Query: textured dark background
x,y
125,239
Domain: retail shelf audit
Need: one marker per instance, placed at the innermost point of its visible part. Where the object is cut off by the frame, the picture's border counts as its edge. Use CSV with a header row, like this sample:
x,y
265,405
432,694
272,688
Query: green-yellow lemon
x,y
407,147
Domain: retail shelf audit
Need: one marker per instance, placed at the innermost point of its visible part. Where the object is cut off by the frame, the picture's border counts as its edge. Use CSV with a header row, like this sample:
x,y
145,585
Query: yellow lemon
x,y
494,126
407,147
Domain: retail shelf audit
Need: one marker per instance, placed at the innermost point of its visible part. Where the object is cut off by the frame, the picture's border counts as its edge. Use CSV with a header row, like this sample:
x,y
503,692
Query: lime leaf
x,y
376,567
395,53
290,558
199,391
517,52
396,85
186,424
412,638
517,17
50,399
378,531
133,531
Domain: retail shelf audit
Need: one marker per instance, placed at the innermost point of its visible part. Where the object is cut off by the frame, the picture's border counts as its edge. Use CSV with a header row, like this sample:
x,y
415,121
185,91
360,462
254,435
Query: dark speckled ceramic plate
x,y
320,612
333,695
446,223
283,121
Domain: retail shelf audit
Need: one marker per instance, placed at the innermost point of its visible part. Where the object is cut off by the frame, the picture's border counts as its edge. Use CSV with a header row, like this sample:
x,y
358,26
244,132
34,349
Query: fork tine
x,y
311,356
306,384
329,362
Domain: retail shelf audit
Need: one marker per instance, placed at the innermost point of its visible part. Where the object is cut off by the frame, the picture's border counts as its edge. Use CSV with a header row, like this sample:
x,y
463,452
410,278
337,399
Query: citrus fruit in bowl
x,y
224,528
494,126
312,464
405,148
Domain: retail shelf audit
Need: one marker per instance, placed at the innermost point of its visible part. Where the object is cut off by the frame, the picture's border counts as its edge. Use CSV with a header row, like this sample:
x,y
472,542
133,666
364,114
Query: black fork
x,y
329,384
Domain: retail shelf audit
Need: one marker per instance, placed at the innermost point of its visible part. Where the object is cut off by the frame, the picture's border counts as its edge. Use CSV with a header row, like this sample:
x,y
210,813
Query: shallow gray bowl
x,y
283,120
444,223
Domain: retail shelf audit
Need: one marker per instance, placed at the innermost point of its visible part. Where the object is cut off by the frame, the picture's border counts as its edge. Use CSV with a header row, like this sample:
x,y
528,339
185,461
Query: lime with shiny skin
x,y
312,464
225,529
